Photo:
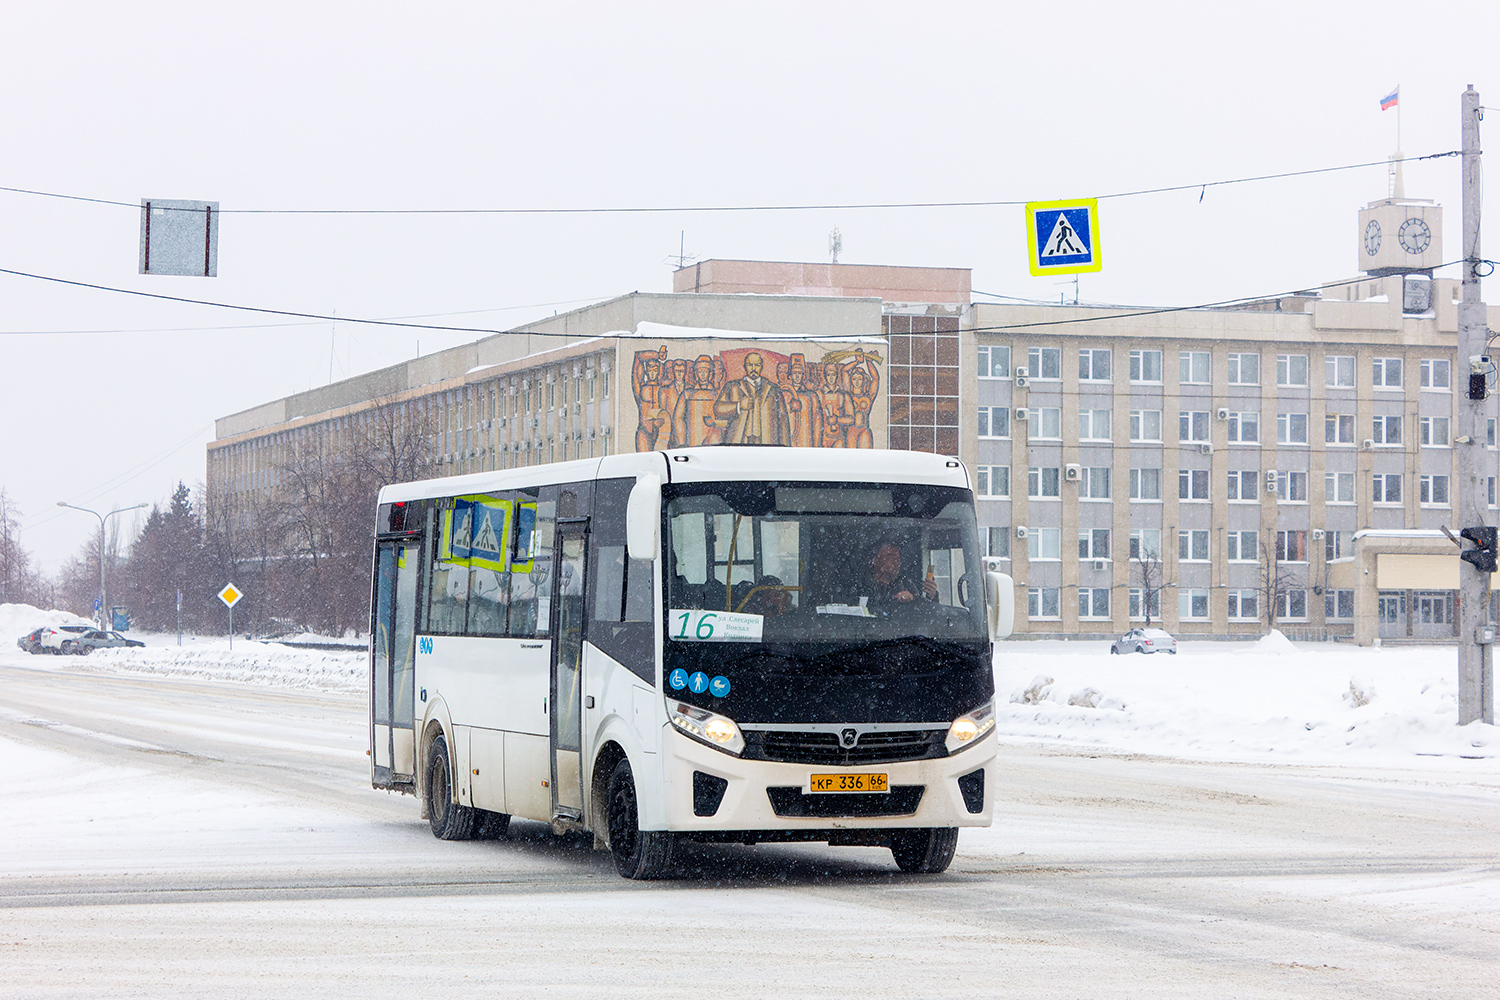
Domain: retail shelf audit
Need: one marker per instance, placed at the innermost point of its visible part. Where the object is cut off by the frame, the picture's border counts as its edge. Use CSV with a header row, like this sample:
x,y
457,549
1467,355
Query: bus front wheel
x,y
924,852
450,821
639,854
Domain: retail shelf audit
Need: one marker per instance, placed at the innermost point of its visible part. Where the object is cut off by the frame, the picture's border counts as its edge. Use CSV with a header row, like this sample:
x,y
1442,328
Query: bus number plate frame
x,y
868,783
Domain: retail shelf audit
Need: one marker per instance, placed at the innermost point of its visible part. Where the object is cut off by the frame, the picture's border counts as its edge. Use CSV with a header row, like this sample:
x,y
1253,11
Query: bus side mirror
x,y
643,517
1000,604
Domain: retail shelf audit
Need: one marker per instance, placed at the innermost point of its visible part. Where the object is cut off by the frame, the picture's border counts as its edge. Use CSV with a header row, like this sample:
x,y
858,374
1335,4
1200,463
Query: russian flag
x,y
1389,100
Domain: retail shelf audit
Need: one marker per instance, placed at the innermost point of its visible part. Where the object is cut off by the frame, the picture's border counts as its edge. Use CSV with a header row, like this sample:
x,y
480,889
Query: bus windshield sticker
x,y
693,625
860,610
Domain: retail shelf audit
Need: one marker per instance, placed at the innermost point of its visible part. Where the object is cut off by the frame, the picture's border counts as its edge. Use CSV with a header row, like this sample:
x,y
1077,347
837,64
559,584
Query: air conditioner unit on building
x,y
1101,564
1206,448
1270,480
1021,373
1022,414
1072,473
1020,531
1367,444
1022,381
992,564
1222,413
1317,533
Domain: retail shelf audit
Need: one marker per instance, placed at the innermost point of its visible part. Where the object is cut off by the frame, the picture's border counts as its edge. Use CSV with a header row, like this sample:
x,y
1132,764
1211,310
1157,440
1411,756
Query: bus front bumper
x,y
760,795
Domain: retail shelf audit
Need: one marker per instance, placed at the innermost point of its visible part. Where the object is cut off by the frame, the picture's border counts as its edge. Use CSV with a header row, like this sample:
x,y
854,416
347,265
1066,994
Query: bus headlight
x,y
967,729
718,731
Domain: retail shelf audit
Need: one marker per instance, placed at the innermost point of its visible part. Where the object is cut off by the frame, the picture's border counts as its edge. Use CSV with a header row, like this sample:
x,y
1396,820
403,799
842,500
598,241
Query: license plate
x,y
820,784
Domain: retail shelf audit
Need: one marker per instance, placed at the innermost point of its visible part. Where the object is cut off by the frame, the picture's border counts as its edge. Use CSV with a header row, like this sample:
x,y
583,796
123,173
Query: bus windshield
x,y
822,563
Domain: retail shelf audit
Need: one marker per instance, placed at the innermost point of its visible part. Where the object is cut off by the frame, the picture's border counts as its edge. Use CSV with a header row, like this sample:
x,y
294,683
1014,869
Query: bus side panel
x,y
489,683
487,767
462,769
624,711
527,771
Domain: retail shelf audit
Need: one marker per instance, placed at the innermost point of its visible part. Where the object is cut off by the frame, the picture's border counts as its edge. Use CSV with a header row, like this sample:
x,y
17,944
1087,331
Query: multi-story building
x,y
1192,465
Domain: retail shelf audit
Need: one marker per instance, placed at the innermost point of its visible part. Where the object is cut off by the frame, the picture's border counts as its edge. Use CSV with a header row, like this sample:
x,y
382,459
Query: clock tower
x,y
1400,236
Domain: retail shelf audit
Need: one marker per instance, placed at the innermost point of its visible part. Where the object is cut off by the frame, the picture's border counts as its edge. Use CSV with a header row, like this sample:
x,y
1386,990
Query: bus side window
x,y
531,569
449,593
489,579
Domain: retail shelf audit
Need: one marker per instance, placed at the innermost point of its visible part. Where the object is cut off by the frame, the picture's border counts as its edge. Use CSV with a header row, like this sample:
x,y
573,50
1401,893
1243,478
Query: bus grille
x,y
901,800
823,748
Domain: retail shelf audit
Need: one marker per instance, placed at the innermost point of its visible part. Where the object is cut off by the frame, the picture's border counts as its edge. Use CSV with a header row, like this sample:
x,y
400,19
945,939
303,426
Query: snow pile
x,y
267,663
1276,700
17,620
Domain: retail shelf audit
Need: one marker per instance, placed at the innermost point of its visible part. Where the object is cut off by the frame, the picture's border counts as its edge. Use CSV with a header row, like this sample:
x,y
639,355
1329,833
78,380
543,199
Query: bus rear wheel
x,y
450,821
639,854
925,852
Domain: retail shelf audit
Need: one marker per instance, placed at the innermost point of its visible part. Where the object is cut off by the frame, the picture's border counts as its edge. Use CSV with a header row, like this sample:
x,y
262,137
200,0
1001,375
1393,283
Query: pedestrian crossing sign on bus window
x,y
1063,236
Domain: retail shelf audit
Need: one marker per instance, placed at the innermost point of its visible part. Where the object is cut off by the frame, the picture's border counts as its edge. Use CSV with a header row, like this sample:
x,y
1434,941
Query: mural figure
x,y
754,407
745,395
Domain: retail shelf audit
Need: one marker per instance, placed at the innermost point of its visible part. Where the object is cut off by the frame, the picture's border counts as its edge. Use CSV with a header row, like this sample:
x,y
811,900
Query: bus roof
x,y
708,464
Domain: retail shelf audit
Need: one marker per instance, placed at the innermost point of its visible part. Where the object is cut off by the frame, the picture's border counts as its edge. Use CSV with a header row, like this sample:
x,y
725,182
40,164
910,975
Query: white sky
x,y
470,105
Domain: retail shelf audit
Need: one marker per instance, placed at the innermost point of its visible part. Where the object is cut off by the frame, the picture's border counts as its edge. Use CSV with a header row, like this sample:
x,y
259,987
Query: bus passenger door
x,y
567,671
392,704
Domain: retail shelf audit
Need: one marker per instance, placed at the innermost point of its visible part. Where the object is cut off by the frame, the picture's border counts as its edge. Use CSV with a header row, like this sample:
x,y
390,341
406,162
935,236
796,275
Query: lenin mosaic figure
x,y
753,405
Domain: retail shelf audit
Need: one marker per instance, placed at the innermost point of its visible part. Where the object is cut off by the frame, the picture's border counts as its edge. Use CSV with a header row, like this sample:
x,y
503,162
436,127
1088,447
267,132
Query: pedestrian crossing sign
x,y
1063,236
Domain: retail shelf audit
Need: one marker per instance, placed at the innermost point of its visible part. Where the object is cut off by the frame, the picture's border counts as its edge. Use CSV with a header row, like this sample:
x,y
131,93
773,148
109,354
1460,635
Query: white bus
x,y
731,644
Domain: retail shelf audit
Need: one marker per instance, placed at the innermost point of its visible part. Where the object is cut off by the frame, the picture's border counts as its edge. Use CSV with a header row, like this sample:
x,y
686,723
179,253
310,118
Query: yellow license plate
x,y
819,784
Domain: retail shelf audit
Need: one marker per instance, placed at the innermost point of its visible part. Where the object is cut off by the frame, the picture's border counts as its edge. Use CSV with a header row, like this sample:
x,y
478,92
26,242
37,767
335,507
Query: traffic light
x,y
1482,556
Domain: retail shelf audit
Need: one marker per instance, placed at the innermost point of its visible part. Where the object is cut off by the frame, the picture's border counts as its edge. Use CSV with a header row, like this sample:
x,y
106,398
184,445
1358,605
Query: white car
x,y
63,639
1145,640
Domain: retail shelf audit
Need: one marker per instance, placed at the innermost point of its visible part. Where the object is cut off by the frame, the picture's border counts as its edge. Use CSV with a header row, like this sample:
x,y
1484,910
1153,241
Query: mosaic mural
x,y
755,395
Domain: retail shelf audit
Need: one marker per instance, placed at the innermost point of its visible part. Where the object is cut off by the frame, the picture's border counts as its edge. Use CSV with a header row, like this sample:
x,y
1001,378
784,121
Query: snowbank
x,y
17,620
1274,643
267,663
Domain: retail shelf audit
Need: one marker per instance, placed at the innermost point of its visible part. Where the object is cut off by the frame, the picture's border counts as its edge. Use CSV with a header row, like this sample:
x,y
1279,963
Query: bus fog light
x,y
968,728
718,731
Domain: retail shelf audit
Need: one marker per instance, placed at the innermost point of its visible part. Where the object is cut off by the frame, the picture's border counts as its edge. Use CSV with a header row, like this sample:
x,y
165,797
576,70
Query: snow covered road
x,y
173,837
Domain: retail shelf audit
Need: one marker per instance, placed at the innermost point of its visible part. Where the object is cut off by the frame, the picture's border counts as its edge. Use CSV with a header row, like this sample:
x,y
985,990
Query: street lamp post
x,y
103,595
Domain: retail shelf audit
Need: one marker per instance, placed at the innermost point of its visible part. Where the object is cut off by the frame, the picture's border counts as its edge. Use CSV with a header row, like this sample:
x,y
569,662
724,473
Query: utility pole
x,y
1476,700
103,593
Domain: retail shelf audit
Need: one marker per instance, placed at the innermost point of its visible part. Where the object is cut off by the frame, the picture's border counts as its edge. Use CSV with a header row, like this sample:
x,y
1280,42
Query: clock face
x,y
1372,238
1414,236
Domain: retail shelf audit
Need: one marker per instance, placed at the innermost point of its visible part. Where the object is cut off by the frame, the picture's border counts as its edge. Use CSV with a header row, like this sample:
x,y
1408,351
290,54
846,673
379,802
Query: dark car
x,y
1145,640
31,642
96,639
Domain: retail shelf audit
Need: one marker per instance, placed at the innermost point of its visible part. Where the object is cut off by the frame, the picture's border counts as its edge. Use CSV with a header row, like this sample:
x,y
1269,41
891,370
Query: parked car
x,y
1145,640
31,642
96,639
63,639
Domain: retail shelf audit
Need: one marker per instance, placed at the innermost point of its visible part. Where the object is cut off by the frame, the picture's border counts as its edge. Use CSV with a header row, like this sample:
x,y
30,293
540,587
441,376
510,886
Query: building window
x,y
1046,422
1244,428
1338,604
924,380
1093,543
1145,425
1387,430
1095,483
1094,365
1291,369
1044,544
1244,369
1387,373
1244,484
1193,367
1145,484
1434,432
1338,545
1043,482
1093,602
1044,363
1338,428
1291,428
1292,604
1433,491
1192,484
1242,546
992,481
994,421
1192,546
1386,488
1093,425
1192,604
994,362
1338,487
1041,602
1144,605
997,541
1436,374
1492,490
1192,425
1243,605
1338,372
1291,546
1145,366
1291,487
1145,543
1489,432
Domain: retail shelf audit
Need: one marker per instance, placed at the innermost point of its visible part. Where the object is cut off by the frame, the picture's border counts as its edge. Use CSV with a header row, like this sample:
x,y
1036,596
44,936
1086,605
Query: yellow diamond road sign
x,y
230,595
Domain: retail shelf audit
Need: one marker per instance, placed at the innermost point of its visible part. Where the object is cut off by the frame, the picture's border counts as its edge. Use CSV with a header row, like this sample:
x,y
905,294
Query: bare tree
x,y
20,581
1148,569
1277,580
